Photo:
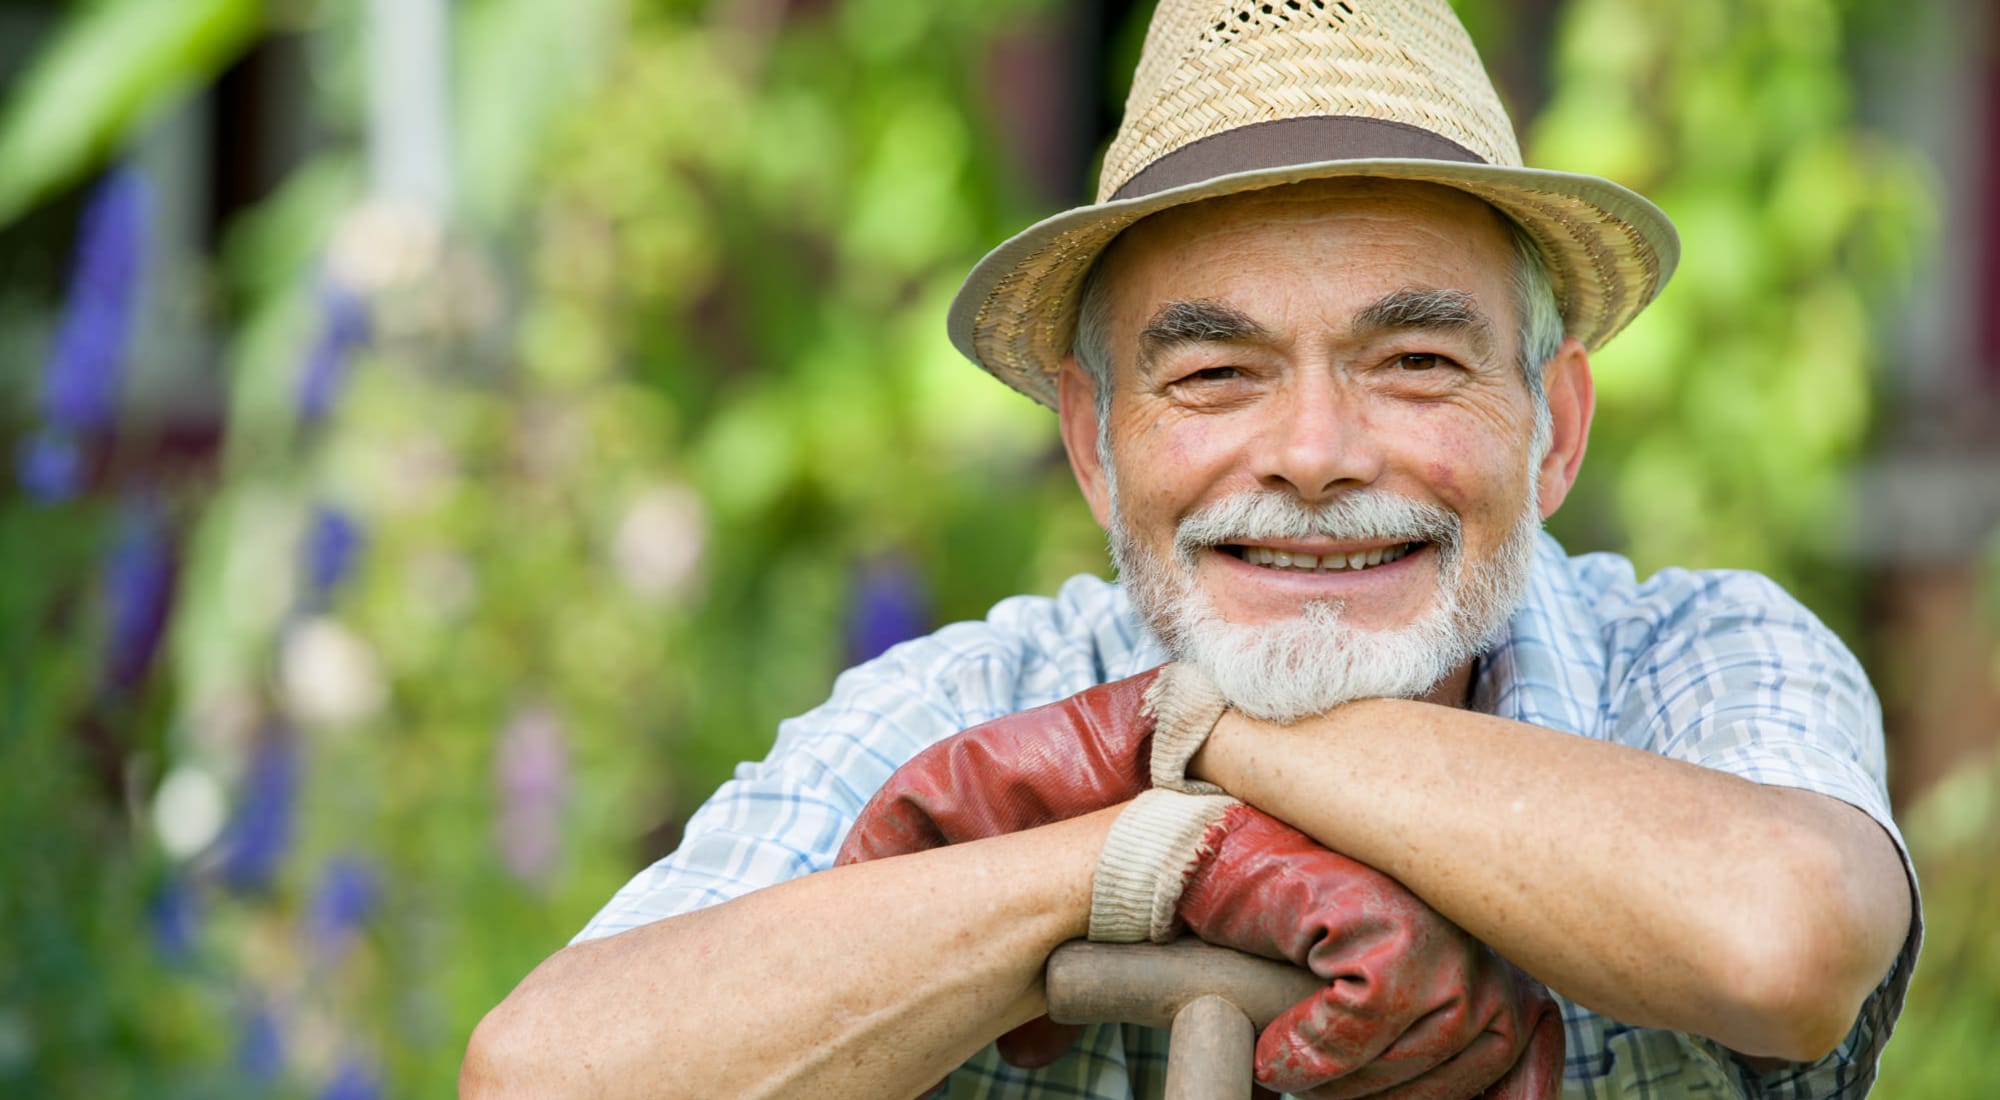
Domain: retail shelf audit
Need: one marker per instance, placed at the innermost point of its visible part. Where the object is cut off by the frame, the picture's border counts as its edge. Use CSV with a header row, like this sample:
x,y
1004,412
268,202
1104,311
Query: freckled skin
x,y
1314,409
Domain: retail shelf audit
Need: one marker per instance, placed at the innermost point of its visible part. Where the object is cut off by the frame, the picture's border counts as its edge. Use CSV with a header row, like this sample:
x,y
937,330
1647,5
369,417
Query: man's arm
x,y
874,980
1657,892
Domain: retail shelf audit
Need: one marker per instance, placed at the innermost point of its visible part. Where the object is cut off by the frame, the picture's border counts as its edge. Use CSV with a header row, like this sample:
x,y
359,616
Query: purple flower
x,y
173,919
138,588
81,377
343,328
345,897
332,545
254,841
352,1080
50,465
532,772
260,1049
889,606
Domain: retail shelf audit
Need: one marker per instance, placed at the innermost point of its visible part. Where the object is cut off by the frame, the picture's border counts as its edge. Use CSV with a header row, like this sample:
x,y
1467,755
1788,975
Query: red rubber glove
x,y
1036,767
1413,1006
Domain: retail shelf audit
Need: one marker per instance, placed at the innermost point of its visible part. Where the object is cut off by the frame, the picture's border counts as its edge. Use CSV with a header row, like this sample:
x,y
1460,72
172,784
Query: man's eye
x,y
1214,374
1420,361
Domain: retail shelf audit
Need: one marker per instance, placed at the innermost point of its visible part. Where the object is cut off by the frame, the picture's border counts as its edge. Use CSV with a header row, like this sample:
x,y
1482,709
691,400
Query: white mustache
x,y
1247,517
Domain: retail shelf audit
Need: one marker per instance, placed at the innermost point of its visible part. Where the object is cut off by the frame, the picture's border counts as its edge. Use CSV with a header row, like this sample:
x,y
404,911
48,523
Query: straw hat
x,y
1237,95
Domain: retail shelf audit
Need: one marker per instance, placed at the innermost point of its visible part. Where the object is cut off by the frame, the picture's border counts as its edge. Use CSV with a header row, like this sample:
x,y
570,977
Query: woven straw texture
x,y
1213,66
1209,68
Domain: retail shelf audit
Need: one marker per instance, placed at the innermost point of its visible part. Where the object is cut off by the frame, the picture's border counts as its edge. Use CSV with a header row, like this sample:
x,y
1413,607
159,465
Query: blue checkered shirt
x,y
1721,669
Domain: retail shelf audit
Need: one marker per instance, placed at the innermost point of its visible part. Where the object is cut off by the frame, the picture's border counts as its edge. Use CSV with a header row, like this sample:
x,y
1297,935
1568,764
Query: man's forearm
x,y
1654,891
874,980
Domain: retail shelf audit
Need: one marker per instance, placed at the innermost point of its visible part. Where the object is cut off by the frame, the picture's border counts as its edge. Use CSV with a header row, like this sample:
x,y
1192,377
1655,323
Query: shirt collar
x,y
1548,666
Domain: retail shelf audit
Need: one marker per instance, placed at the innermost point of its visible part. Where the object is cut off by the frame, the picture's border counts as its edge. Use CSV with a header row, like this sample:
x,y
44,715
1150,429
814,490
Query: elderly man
x,y
1319,354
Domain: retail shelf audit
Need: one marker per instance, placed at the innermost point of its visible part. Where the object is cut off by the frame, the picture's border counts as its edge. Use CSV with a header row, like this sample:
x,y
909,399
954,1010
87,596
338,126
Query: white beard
x,y
1286,671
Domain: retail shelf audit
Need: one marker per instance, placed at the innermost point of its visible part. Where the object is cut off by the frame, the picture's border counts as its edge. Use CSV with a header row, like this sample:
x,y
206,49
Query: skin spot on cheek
x,y
1443,477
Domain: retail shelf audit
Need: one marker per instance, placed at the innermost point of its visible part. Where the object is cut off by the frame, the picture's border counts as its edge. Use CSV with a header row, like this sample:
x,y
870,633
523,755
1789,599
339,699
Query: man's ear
x,y
1076,406
1572,401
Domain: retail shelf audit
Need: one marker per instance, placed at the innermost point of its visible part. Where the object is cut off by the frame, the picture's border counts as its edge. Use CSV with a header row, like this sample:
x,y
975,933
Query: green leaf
x,y
113,66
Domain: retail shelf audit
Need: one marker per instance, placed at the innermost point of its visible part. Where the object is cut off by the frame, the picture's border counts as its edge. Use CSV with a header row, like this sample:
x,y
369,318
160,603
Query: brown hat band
x,y
1283,142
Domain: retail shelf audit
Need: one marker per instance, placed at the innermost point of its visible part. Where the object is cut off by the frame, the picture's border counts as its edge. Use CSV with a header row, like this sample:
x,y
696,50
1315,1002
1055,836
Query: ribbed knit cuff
x,y
1147,857
1185,706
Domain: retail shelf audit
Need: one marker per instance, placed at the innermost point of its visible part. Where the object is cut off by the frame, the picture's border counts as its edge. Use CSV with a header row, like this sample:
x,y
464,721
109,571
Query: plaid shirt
x,y
1721,669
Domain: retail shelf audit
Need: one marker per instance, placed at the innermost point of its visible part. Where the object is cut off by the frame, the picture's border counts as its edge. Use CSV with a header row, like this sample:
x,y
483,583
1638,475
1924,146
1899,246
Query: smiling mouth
x,y
1268,558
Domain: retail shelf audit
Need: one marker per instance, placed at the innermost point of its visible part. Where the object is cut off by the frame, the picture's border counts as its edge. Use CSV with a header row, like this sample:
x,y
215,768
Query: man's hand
x,y
1031,768
1409,995
1084,753
1412,1005
1411,998
1765,917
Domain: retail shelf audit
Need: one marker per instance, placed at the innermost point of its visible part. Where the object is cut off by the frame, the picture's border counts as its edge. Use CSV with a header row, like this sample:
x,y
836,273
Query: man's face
x,y
1319,483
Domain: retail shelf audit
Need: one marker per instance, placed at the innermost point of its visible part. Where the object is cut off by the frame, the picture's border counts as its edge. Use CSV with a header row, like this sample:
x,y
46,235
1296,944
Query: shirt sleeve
x,y
1740,677
785,816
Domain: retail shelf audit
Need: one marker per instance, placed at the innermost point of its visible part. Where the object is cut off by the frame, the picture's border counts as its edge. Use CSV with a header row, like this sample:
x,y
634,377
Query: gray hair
x,y
1541,334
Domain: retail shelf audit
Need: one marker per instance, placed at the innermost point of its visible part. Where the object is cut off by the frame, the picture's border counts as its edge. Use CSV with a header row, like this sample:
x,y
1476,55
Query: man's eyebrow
x,y
1416,308
1198,322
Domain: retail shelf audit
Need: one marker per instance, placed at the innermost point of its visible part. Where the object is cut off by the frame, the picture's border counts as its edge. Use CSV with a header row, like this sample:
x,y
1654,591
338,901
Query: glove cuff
x,y
1185,706
1147,857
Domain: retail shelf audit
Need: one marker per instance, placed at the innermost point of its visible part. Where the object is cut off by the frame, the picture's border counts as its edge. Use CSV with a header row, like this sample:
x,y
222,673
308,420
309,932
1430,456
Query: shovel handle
x,y
1213,998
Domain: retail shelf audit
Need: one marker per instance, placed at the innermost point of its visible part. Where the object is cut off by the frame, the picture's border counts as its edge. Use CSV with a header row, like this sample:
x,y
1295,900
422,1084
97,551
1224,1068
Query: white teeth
x,y
1359,559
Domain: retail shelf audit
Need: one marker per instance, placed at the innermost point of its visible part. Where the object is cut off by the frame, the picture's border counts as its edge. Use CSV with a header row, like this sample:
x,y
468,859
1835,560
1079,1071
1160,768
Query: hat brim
x,y
1609,253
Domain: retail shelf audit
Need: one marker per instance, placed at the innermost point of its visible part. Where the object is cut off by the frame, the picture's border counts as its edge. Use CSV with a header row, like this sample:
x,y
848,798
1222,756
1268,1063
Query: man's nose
x,y
1319,441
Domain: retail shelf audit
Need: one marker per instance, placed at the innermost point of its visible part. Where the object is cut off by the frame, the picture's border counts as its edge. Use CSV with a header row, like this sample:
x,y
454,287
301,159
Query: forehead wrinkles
x,y
1443,211
1192,252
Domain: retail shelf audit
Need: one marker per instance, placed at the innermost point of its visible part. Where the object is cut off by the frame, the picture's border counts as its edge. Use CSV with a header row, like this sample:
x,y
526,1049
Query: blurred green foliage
x,y
77,1009
114,65
1731,410
1944,1047
656,434
629,449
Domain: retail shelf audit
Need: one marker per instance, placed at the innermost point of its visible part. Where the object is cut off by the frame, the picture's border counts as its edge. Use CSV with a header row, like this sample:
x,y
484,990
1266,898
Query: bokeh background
x,y
442,438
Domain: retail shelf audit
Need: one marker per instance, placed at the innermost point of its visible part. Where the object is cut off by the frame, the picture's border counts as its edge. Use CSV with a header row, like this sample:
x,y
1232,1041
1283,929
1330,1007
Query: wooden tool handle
x,y
1214,998
1147,984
